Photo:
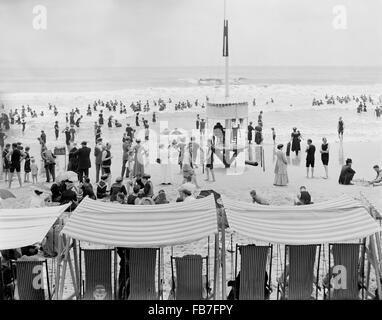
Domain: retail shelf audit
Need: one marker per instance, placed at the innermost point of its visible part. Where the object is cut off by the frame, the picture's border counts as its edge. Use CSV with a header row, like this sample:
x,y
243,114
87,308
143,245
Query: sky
x,y
177,33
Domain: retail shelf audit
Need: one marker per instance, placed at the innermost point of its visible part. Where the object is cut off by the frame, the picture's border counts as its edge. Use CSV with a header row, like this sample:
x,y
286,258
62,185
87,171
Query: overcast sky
x,y
106,33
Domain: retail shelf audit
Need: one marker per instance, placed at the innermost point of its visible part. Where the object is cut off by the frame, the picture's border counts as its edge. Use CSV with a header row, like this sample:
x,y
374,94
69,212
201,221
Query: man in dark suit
x,y
83,161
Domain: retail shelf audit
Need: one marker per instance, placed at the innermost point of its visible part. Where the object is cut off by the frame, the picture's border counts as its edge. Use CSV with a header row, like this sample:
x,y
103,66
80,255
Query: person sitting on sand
x,y
303,197
102,187
347,173
258,199
378,179
117,188
161,198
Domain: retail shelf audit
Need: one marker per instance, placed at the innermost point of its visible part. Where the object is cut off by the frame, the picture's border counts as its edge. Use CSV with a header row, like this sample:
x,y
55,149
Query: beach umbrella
x,y
67,175
5,194
165,132
176,132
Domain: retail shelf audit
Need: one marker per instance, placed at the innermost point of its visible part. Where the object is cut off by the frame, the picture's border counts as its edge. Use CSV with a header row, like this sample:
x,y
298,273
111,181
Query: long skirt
x,y
281,179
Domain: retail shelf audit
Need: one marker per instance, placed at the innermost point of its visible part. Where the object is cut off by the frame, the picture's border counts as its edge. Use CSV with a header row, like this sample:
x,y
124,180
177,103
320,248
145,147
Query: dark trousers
x,y
348,177
50,171
98,170
125,169
82,173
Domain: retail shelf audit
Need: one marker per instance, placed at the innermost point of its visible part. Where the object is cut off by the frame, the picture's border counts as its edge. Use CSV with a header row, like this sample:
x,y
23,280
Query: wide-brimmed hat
x,y
119,179
146,176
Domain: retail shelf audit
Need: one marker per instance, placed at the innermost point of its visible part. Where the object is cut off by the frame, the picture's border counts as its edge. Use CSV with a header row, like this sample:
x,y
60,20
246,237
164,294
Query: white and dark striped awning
x,y
23,227
338,220
142,226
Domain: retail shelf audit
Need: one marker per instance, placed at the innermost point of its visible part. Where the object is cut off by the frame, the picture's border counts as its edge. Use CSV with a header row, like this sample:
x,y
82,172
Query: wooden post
x,y
376,266
76,267
58,270
216,267
67,248
161,254
223,265
115,274
73,275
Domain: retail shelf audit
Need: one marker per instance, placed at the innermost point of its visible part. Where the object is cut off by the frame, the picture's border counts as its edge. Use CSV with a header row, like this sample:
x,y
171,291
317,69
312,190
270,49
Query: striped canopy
x,y
24,227
142,226
338,220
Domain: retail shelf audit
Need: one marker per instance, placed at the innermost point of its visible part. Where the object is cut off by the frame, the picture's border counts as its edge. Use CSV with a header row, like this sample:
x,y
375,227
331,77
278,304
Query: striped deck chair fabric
x,y
252,272
98,278
142,273
30,279
301,271
347,255
189,282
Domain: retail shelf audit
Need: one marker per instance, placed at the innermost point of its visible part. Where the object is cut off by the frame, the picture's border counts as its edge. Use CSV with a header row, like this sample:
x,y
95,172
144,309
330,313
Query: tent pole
x,y
223,265
161,253
57,282
376,266
115,273
216,267
73,275
67,246
75,257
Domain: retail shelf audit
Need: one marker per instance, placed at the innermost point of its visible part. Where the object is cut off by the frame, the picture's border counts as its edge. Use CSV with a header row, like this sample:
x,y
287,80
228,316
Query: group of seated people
x,y
347,174
303,198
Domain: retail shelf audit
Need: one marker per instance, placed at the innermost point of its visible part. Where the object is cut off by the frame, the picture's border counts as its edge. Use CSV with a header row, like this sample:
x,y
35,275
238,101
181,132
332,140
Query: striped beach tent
x,y
336,220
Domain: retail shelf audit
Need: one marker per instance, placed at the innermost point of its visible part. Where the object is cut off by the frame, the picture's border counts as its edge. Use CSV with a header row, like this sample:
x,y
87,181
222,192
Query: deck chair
x,y
30,279
299,270
348,255
253,271
98,277
188,283
142,264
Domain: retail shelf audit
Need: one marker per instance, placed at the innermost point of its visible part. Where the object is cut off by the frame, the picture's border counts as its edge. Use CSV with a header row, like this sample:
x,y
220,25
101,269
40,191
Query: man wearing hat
x,y
83,161
116,188
347,173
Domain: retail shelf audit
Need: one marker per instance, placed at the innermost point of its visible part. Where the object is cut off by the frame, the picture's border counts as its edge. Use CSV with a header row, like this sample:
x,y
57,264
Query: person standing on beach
x,y
250,129
83,161
340,128
197,123
23,123
67,136
325,155
310,151
43,136
15,156
210,161
98,157
281,173
202,127
126,145
27,165
274,135
296,138
56,129
106,162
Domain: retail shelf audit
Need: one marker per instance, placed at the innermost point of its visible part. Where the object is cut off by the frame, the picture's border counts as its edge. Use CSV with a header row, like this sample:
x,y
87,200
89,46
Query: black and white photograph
x,y
213,151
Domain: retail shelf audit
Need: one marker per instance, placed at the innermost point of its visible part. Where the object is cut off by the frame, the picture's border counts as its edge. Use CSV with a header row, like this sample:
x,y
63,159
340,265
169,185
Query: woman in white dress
x,y
281,174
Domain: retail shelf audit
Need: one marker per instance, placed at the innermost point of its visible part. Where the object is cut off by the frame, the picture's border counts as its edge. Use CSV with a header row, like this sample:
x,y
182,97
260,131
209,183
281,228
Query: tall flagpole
x,y
225,48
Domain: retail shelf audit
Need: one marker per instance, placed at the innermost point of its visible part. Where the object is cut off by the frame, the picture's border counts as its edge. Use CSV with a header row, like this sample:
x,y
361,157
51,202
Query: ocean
x,y
58,79
292,90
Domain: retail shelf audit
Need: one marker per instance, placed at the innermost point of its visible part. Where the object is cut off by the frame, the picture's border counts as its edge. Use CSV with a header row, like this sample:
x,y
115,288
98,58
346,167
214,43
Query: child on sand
x,y
34,170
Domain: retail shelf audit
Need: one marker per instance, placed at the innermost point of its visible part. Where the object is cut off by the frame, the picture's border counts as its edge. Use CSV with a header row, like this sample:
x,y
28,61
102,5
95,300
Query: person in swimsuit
x,y
310,150
340,129
15,157
325,155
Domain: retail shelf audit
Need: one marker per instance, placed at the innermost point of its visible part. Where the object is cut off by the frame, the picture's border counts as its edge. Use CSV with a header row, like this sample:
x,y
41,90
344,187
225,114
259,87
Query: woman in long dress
x,y
281,174
138,159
